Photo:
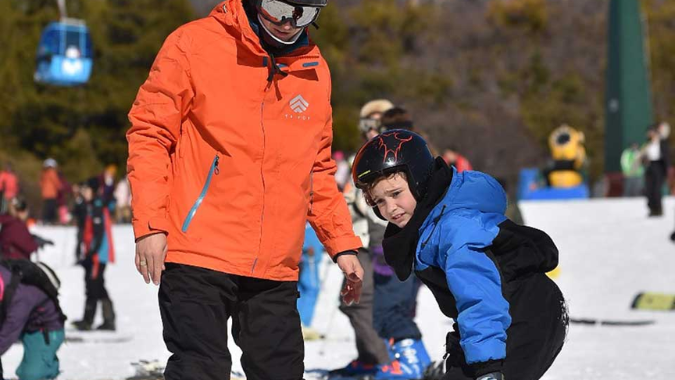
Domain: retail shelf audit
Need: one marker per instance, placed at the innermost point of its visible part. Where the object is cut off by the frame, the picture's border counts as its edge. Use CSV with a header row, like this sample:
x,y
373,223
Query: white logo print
x,y
299,104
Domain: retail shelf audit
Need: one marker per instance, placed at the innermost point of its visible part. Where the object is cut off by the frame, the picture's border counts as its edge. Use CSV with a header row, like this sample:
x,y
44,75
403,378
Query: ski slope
x,y
609,251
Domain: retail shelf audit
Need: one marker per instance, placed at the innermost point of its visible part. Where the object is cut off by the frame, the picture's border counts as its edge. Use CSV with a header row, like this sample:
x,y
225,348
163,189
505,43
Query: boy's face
x,y
394,200
284,32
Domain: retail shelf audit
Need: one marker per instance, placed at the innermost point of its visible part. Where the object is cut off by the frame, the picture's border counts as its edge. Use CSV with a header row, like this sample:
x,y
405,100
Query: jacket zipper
x,y
262,177
311,190
438,219
213,170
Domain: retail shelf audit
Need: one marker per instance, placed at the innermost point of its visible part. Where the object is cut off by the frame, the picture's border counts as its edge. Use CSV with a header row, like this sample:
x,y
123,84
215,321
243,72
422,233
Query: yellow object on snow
x,y
554,273
569,155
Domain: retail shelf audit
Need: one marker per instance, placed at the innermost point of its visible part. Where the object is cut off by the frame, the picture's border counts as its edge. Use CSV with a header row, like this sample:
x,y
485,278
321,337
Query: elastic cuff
x,y
344,253
149,226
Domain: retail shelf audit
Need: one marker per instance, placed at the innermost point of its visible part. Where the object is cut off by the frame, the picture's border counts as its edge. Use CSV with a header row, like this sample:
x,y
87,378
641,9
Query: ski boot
x,y
108,316
82,325
89,311
411,359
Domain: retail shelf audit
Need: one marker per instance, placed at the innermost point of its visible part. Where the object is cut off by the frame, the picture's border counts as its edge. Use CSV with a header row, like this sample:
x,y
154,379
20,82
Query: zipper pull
x,y
216,170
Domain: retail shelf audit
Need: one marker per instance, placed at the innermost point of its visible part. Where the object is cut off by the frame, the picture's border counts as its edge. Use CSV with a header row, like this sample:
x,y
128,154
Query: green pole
x,y
628,98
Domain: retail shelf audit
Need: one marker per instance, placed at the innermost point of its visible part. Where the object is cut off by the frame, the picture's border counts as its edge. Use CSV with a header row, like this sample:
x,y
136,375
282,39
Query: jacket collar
x,y
400,244
233,14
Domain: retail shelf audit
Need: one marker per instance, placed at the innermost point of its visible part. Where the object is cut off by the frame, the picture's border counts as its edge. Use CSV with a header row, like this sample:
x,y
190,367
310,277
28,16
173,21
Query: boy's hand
x,y
150,254
351,267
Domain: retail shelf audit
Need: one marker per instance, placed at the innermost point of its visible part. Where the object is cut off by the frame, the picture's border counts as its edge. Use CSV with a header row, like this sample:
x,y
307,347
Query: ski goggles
x,y
367,123
280,12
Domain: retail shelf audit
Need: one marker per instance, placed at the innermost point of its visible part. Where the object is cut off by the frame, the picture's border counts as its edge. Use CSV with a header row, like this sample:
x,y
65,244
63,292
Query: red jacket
x,y
16,241
9,184
229,165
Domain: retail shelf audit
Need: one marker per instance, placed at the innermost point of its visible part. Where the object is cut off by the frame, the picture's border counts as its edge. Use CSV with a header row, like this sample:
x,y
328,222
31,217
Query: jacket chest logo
x,y
299,104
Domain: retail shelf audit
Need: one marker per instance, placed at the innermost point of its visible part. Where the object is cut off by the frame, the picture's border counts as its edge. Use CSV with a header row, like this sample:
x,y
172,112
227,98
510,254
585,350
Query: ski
x,y
154,370
609,322
98,339
653,301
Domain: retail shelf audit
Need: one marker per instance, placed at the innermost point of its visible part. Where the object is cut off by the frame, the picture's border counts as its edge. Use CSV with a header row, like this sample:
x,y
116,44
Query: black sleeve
x,y
482,368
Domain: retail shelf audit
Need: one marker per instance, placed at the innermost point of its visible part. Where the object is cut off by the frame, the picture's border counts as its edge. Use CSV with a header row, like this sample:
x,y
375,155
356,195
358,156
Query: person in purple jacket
x,y
30,315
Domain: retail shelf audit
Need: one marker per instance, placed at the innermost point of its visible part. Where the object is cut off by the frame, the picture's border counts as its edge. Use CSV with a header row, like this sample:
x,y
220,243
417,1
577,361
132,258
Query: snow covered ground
x,y
609,251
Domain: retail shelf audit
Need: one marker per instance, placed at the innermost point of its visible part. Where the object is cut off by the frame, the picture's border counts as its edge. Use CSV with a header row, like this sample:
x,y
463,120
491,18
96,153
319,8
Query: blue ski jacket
x,y
454,237
479,265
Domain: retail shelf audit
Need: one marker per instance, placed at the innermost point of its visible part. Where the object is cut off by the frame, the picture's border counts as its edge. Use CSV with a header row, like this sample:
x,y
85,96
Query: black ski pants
x,y
195,305
94,282
535,337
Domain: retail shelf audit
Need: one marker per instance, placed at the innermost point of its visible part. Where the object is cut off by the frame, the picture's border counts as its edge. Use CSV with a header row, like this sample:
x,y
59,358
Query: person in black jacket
x,y
656,157
95,249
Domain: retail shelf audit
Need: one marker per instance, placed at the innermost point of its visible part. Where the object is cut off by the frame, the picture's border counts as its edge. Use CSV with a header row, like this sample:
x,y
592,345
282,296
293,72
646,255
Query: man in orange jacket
x,y
229,156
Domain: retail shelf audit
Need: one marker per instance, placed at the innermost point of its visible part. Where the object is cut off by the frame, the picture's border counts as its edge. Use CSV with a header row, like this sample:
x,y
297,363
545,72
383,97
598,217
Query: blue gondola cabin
x,y
64,57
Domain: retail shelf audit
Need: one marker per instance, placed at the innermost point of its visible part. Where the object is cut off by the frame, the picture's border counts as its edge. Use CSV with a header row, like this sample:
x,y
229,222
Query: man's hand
x,y
351,267
150,254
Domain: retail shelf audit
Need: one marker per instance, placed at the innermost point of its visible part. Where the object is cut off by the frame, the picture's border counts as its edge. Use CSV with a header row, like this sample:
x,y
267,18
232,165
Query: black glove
x,y
492,376
41,242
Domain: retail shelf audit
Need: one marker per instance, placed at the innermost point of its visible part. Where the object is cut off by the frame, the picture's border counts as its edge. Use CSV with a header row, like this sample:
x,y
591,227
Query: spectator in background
x,y
370,124
122,196
62,200
9,186
35,318
50,186
309,282
453,158
96,251
16,241
655,154
343,172
397,118
400,118
107,190
79,212
633,172
371,350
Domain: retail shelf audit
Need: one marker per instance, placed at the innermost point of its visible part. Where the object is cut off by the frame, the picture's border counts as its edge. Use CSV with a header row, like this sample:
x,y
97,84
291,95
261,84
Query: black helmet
x,y
393,151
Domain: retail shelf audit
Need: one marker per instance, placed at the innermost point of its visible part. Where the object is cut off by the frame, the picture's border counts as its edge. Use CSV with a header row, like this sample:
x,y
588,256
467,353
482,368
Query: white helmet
x,y
49,163
377,106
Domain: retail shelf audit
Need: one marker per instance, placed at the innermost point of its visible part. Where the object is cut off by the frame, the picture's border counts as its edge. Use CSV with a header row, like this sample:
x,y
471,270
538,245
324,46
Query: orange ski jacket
x,y
228,164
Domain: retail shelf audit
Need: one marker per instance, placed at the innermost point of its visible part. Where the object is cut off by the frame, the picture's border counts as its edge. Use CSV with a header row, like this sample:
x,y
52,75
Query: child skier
x,y
486,272
95,251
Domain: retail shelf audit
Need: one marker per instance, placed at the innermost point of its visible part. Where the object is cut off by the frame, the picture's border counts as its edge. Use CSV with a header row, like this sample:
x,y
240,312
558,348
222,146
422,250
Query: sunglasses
x,y
279,12
367,123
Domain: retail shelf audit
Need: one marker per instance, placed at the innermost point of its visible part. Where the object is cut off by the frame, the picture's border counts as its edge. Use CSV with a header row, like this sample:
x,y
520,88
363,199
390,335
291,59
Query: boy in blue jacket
x,y
486,272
